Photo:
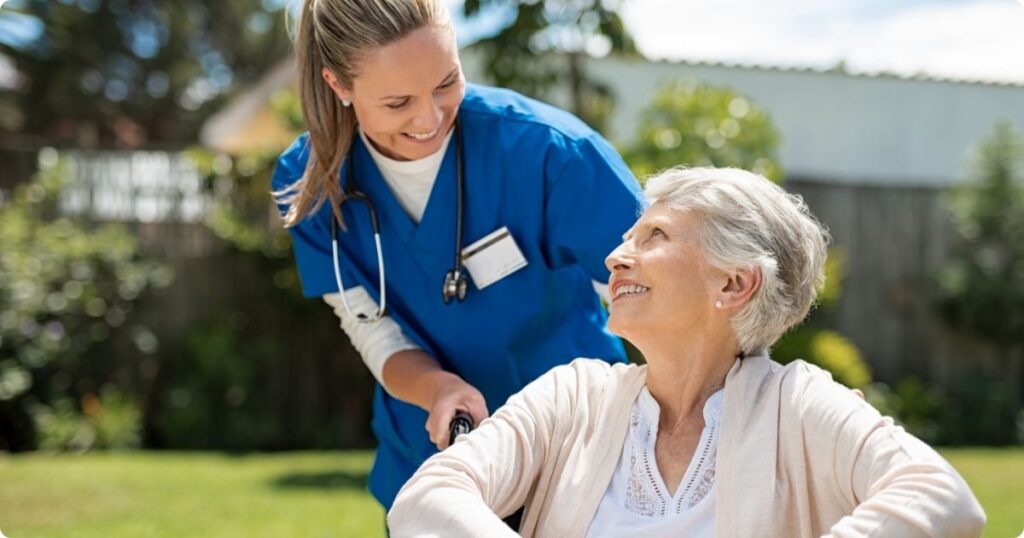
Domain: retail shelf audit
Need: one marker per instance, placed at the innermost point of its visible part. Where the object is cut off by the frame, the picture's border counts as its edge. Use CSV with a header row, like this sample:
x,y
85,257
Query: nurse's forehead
x,y
421,60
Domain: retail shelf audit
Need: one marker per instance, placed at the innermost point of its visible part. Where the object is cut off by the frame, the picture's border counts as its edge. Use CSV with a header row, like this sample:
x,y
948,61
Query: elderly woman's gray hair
x,y
747,221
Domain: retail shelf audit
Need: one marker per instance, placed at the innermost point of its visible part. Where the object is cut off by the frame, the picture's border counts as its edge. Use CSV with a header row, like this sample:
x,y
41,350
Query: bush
x,y
920,408
209,401
66,289
108,421
827,349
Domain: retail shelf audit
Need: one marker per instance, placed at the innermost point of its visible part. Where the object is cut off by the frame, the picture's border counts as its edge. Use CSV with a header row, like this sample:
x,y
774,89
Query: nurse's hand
x,y
415,377
451,396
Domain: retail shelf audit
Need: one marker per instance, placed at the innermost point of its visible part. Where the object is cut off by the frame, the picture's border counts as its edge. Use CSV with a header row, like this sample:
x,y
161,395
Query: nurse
x,y
494,211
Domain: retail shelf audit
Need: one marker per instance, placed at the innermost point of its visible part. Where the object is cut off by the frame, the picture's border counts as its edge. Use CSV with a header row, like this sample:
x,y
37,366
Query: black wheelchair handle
x,y
461,423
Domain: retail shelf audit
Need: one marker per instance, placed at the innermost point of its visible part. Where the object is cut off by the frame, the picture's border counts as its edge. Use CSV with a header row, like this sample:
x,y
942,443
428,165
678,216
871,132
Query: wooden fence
x,y
895,239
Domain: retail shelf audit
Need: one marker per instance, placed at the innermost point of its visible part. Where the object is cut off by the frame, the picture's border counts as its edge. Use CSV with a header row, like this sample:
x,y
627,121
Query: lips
x,y
423,137
627,288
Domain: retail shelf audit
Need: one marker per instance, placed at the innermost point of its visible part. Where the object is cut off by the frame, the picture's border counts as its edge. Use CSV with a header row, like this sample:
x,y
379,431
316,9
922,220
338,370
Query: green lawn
x,y
997,478
147,494
290,495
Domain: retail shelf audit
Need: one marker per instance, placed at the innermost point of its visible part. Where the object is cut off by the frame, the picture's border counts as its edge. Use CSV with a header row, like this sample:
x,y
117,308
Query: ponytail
x,y
331,129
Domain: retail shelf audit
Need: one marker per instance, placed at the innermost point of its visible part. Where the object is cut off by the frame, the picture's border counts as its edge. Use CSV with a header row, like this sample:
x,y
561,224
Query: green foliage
x,y
110,421
124,73
65,289
544,44
824,347
696,124
918,407
983,285
980,410
208,403
827,349
984,410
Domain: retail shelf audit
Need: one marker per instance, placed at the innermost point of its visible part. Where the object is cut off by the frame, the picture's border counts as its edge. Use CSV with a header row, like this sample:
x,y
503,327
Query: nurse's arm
x,y
488,474
403,369
415,377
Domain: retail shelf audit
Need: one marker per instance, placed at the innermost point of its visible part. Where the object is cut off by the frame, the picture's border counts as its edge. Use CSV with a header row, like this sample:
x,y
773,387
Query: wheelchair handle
x,y
461,423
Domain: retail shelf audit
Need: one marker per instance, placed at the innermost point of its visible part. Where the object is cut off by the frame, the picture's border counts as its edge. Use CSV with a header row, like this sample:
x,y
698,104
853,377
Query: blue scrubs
x,y
567,198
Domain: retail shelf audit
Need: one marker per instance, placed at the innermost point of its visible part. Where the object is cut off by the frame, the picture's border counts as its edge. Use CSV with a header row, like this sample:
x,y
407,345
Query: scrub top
x,y
566,197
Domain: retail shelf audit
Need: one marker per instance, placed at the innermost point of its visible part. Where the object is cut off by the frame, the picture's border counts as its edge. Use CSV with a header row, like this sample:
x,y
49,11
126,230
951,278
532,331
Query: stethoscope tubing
x,y
353,194
382,310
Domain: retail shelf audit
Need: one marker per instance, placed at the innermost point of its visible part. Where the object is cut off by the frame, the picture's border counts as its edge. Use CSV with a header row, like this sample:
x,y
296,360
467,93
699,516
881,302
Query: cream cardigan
x,y
799,456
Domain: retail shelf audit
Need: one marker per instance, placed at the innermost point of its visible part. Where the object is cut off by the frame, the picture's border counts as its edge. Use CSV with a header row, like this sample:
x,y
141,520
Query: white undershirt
x,y
411,183
637,502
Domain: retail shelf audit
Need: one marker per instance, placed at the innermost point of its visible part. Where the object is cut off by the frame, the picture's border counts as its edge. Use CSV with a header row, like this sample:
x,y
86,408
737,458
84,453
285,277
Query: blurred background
x,y
149,301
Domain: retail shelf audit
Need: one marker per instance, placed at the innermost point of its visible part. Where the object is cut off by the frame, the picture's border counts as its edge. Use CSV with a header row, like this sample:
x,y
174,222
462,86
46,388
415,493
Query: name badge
x,y
493,258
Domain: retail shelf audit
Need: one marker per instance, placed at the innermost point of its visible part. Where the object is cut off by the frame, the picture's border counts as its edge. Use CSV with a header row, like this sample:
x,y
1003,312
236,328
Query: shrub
x,y
66,289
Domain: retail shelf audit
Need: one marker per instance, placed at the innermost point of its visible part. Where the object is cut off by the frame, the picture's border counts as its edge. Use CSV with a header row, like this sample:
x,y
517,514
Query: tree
x,y
696,124
982,287
545,44
128,72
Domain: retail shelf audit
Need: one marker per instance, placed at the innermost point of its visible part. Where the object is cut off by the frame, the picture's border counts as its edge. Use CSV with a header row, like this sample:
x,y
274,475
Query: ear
x,y
339,90
740,287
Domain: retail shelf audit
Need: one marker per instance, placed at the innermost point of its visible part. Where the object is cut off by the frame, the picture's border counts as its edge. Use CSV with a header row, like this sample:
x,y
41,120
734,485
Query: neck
x,y
682,373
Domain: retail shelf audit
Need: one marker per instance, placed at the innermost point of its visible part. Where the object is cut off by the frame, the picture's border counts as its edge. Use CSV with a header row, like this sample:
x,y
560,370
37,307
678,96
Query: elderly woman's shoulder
x,y
797,381
602,367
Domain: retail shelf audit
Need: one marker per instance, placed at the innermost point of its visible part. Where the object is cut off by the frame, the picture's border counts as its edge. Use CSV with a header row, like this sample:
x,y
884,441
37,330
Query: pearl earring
x,y
718,304
346,102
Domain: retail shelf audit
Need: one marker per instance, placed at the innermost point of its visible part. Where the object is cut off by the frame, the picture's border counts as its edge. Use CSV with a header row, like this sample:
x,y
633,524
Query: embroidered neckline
x,y
646,493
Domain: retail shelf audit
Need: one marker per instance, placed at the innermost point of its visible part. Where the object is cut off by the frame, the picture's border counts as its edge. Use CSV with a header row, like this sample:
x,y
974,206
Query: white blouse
x,y
637,502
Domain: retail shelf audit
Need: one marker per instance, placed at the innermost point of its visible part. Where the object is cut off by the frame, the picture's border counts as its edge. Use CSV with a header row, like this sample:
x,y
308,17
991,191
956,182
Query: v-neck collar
x,y
436,231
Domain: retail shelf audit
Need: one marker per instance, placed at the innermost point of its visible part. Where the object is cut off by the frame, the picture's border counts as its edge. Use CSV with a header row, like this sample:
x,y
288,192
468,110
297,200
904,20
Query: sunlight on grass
x,y
174,494
996,475
156,494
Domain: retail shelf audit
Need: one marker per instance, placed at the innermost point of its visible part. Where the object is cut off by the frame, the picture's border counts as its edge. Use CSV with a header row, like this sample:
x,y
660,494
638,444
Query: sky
x,y
962,39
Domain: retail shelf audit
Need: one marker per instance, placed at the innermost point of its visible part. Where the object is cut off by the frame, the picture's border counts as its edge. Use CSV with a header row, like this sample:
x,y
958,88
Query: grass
x,y
154,494
996,475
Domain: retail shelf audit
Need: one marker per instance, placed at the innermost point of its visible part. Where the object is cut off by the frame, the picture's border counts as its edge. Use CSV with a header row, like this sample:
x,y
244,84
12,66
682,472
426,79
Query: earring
x,y
718,304
346,103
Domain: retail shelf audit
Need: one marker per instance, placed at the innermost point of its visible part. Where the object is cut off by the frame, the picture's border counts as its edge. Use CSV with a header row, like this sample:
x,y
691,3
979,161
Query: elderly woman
x,y
711,437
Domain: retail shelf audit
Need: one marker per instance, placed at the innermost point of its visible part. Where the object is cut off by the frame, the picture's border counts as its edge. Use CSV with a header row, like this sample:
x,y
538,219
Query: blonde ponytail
x,y
335,34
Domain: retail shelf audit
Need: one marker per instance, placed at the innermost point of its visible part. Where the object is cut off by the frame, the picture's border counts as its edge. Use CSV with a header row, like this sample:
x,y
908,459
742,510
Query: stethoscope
x,y
455,284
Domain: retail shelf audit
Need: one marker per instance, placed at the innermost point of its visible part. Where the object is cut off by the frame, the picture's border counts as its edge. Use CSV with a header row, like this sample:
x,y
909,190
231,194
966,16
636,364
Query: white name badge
x,y
493,258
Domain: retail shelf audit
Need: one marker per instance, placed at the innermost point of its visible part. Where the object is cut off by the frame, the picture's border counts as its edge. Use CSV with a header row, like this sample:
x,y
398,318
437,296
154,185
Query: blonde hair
x,y
336,34
747,221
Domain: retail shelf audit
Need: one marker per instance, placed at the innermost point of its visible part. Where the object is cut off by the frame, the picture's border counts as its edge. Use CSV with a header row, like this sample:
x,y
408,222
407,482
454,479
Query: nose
x,y
429,114
621,258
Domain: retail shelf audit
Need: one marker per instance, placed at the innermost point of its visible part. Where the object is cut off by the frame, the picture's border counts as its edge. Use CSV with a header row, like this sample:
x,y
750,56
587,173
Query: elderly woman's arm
x,y
463,490
899,485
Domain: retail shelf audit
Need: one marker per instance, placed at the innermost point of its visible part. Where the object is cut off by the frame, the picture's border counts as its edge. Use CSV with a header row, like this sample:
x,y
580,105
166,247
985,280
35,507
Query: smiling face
x,y
660,282
406,94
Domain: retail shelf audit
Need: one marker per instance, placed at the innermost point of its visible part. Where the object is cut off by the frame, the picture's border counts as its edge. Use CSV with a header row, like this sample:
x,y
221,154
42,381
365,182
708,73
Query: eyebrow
x,y
447,78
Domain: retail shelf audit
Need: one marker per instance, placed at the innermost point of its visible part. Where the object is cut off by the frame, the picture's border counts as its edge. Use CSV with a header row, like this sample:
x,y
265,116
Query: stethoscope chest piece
x,y
455,286
455,283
